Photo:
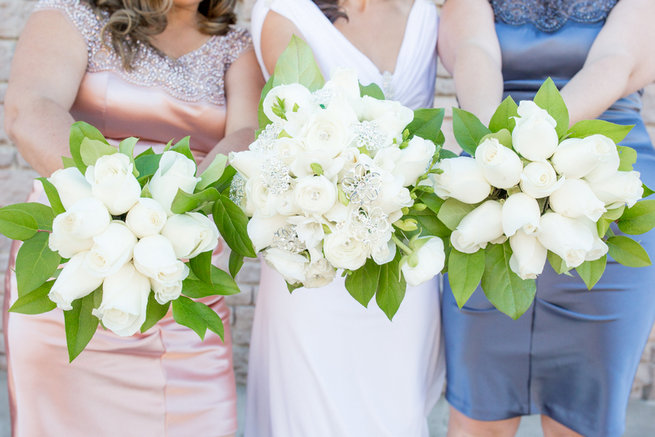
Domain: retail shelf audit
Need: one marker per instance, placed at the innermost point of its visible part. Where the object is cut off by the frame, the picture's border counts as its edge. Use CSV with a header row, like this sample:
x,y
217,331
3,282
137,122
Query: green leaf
x,y
154,312
445,153
363,282
464,273
296,64
35,302
371,90
430,224
222,284
615,213
146,152
17,224
261,116
225,181
557,263
503,118
185,202
591,271
602,225
647,191
627,251
549,98
184,148
293,287
78,132
213,172
80,323
186,313
639,219
232,224
427,123
235,264
201,266
504,289
503,136
317,169
586,128
91,150
68,162
391,287
53,196
126,147
432,201
146,165
468,130
212,320
453,211
35,263
627,156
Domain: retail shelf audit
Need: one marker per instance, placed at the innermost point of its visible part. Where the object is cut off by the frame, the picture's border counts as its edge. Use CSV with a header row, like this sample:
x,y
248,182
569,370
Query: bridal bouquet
x,y
122,238
533,190
332,179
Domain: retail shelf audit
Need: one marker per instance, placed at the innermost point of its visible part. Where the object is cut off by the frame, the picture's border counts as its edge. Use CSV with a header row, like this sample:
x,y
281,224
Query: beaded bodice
x,y
551,15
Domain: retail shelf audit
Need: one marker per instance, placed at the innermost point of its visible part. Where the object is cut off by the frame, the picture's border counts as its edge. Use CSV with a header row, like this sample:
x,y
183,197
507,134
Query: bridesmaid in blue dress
x,y
573,355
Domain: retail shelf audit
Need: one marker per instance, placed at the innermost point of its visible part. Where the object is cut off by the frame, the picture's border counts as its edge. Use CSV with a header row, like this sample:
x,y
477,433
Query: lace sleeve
x,y
80,14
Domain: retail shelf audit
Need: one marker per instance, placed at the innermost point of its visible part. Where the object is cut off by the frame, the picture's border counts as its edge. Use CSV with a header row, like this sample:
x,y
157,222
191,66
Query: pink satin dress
x,y
166,382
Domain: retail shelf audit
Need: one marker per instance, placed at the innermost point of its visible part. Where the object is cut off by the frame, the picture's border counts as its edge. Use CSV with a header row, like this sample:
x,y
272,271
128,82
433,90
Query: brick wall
x,y
16,176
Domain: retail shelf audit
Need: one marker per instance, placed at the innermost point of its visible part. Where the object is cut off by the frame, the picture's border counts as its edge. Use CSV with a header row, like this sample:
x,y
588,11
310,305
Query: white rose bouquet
x,y
333,179
124,239
535,189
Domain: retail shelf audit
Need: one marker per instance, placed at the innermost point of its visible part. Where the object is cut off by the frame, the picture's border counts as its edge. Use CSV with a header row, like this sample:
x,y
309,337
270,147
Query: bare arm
x,y
46,72
276,34
470,51
619,63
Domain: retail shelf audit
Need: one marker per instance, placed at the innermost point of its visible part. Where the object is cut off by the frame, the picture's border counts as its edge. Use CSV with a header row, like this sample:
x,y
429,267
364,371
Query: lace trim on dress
x,y
551,15
194,77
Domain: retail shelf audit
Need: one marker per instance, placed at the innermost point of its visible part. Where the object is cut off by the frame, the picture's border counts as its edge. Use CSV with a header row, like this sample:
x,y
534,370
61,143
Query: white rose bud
x,y
390,117
608,157
414,160
290,265
191,234
344,251
481,226
154,257
575,199
621,187
71,185
74,282
111,250
539,179
500,165
147,217
599,247
261,230
315,194
73,230
166,292
528,255
113,183
430,256
291,95
248,163
575,158
175,172
568,238
520,212
319,273
384,252
124,301
534,135
462,179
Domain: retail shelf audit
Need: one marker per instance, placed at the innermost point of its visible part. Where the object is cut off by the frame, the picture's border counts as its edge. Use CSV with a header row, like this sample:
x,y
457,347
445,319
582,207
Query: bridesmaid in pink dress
x,y
154,69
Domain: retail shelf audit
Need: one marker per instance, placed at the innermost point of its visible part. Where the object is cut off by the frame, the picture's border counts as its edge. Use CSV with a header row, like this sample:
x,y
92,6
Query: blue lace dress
x,y
573,355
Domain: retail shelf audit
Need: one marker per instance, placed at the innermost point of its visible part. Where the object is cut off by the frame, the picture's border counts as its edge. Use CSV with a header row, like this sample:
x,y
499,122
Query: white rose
x,y
113,183
329,130
111,250
575,158
384,252
621,187
292,96
290,265
166,292
568,238
175,172
259,200
147,217
481,226
391,117
154,257
73,230
392,197
191,234
261,230
599,248
309,230
315,194
74,282
287,149
319,273
520,212
248,163
71,185
528,255
534,135
430,258
539,179
414,160
608,157
462,179
575,199
343,82
124,301
500,165
344,251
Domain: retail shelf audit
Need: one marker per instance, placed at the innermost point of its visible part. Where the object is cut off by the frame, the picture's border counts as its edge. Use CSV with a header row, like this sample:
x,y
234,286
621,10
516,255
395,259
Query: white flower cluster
x,y
575,181
327,179
129,256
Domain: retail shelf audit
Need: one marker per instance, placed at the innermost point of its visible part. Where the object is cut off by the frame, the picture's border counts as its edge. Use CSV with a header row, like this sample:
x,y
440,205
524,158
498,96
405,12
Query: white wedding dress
x,y
322,365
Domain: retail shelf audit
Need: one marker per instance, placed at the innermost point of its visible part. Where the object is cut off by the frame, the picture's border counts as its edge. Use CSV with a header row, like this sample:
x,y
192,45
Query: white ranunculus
x,y
287,149
534,135
599,247
261,230
520,212
315,194
73,230
621,187
147,217
500,165
289,264
111,249
344,251
248,163
391,117
343,81
154,257
259,200
414,160
292,96
430,258
113,183
74,282
166,292
384,252
608,157
568,238
462,179
191,234
124,301
71,185
175,172
481,226
319,273
575,158
539,179
576,199
528,255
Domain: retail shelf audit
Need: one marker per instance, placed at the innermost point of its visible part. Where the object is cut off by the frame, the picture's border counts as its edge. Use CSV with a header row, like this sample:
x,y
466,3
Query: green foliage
x,y
35,263
363,283
154,312
627,251
503,118
201,266
627,156
146,165
261,116
185,202
126,147
503,136
549,98
452,212
557,263
296,64
585,128
78,132
591,271
91,150
53,196
221,284
427,123
213,172
197,316
80,323
235,264
16,223
35,302
468,130
464,273
184,148
391,287
232,223
639,219
371,90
